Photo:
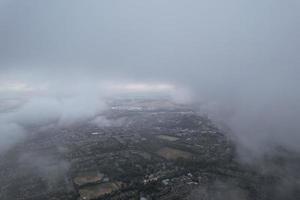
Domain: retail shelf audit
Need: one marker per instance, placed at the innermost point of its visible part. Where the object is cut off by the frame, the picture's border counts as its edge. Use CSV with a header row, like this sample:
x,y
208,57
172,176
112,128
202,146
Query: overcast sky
x,y
240,56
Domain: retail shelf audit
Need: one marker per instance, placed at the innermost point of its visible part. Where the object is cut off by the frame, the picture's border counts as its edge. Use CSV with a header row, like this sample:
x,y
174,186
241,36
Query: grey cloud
x,y
238,58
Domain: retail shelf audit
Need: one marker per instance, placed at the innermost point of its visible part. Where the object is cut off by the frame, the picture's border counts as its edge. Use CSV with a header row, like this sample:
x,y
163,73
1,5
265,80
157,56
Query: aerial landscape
x,y
146,149
149,100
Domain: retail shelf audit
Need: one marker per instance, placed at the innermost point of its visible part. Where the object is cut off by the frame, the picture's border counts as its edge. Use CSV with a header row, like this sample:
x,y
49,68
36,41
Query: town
x,y
137,149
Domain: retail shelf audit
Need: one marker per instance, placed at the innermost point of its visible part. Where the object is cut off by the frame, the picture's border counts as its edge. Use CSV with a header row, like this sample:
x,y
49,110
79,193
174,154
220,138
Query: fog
x,y
239,60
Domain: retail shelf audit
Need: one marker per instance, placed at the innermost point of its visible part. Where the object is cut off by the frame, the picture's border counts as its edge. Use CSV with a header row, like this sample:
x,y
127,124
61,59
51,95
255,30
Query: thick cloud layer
x,y
238,58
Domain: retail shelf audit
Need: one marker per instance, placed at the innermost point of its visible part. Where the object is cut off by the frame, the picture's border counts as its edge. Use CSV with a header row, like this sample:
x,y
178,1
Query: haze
x,y
239,60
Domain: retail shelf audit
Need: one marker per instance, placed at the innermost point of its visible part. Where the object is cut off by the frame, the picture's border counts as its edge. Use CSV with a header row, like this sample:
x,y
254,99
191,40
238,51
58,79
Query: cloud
x,y
60,107
10,133
239,59
48,167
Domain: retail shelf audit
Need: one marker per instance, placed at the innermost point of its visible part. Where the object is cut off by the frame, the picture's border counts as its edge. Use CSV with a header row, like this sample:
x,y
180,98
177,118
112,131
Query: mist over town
x,y
149,100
